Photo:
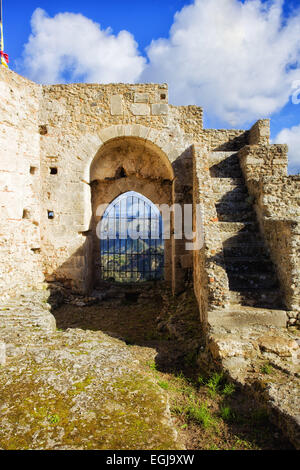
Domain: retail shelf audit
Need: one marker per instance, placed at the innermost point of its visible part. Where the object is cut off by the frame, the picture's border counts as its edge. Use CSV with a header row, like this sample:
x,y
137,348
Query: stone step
x,y
229,183
241,316
238,238
224,159
252,280
240,227
239,193
247,265
257,297
242,250
233,206
33,316
245,216
217,157
233,171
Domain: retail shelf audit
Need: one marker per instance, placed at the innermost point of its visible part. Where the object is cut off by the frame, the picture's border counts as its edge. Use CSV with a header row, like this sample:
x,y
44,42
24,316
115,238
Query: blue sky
x,y
146,19
237,59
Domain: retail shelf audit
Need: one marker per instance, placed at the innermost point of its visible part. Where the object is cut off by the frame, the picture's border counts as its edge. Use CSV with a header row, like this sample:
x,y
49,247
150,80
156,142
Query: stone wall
x,y
225,140
78,121
278,205
263,160
19,183
280,197
259,133
49,149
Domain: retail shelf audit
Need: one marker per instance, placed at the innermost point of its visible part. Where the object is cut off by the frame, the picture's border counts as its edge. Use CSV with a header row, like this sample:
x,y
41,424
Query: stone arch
x,y
148,134
129,163
91,145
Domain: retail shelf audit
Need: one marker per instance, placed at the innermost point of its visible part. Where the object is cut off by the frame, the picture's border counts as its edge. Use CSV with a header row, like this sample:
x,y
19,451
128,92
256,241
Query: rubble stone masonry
x,y
61,151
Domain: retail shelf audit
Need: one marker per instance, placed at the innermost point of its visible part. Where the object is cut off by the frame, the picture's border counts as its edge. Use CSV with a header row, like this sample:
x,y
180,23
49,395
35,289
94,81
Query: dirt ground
x,y
164,334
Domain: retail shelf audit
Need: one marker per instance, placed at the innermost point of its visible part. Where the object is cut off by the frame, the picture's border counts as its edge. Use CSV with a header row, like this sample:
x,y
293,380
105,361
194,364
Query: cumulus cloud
x,y
237,60
292,138
71,47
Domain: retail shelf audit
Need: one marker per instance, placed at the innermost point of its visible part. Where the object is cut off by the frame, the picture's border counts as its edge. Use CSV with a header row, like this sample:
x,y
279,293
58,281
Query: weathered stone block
x,y
2,354
275,344
158,109
231,346
141,97
140,109
116,105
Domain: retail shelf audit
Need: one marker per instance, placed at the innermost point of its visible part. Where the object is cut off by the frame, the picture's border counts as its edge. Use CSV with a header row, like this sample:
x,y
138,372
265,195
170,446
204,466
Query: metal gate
x,y
131,246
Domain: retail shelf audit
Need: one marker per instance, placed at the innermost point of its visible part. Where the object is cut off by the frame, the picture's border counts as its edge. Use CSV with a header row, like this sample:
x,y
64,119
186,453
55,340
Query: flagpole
x,y
3,56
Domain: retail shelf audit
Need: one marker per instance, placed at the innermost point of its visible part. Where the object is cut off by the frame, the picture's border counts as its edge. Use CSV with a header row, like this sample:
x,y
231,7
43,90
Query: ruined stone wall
x,y
51,144
280,197
225,140
77,120
19,183
259,133
278,204
263,160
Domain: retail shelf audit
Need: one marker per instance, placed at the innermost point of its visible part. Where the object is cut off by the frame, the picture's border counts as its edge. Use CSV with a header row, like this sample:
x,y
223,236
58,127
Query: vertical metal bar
x,y
131,247
138,241
114,242
150,255
144,241
126,257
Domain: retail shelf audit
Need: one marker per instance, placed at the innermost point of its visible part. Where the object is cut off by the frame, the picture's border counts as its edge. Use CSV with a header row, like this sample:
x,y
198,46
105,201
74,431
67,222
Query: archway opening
x,y
124,165
131,240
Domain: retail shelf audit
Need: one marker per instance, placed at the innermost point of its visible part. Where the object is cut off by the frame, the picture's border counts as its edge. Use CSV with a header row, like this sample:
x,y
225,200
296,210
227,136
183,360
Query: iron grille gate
x,y
131,246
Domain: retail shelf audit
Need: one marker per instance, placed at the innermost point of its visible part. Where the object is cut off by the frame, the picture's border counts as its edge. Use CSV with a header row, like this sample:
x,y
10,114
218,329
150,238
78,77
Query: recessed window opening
x,y
53,170
163,96
121,173
43,129
33,170
26,214
131,240
50,214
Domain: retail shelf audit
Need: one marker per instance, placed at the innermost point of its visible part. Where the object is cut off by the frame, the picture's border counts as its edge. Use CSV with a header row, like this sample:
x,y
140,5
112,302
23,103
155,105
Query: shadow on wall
x,y
123,165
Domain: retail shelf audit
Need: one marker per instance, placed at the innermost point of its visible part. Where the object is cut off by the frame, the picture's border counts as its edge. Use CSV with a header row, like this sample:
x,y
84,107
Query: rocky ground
x,y
119,373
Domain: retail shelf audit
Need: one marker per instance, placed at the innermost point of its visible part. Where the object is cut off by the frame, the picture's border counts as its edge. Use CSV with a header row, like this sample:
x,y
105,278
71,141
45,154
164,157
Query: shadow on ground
x,y
141,316
167,328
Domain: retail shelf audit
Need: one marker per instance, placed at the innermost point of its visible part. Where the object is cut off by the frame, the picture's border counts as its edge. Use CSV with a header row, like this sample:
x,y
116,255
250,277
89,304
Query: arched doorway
x,y
122,165
131,240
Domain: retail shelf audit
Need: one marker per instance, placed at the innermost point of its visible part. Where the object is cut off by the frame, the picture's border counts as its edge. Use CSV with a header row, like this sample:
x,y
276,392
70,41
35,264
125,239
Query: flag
x,y
3,57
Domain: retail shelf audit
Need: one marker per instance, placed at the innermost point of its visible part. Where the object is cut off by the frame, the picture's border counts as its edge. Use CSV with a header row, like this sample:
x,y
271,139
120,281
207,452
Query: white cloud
x,y
232,58
74,45
292,138
237,60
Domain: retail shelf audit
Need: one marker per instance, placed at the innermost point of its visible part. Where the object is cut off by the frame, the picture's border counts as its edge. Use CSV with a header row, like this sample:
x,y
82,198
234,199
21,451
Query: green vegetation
x,y
163,384
226,413
79,387
266,369
53,419
214,383
152,365
200,413
228,389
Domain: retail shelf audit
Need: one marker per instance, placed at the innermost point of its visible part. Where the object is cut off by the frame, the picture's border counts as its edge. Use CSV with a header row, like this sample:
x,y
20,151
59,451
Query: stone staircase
x,y
251,274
